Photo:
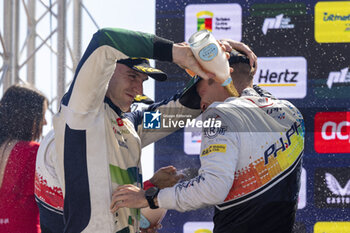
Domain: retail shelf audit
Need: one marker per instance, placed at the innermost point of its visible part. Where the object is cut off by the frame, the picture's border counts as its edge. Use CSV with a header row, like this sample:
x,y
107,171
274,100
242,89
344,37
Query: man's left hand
x,y
232,44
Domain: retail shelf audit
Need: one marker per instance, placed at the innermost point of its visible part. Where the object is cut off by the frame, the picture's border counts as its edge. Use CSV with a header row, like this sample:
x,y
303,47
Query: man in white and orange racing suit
x,y
250,164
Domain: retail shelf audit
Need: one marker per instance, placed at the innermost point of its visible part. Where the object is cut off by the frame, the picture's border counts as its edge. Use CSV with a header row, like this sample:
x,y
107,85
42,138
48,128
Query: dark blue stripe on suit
x,y
77,208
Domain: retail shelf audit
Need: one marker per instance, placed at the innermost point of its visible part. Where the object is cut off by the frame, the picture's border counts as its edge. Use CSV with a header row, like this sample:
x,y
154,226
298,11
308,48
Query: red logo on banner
x,y
120,122
332,132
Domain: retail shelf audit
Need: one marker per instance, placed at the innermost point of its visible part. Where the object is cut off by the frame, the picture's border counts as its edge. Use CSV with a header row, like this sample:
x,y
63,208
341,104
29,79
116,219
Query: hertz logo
x,y
284,77
275,78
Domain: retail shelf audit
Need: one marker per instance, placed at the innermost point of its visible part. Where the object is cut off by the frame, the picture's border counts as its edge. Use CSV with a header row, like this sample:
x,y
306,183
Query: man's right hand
x,y
183,57
166,177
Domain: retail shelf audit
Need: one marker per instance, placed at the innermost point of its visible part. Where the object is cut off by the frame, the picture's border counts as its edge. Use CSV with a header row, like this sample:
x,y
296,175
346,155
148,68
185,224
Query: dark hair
x,y
241,67
242,71
21,113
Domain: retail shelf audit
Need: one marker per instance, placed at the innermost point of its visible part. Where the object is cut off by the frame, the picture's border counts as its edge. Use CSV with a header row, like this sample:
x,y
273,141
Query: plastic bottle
x,y
212,58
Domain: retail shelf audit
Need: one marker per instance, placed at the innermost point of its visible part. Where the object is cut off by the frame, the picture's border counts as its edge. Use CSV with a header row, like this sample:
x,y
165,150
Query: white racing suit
x,y
250,166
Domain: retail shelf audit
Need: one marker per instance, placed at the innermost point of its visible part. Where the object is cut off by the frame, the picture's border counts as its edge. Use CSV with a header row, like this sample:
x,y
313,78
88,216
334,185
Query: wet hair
x,y
242,74
242,71
21,113
241,66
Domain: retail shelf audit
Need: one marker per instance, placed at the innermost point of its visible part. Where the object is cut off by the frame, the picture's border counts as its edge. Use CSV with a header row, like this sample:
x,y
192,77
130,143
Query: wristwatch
x,y
150,194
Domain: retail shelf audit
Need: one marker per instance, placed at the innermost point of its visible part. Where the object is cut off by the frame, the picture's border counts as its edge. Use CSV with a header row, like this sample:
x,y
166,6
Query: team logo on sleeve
x,y
189,183
221,148
212,132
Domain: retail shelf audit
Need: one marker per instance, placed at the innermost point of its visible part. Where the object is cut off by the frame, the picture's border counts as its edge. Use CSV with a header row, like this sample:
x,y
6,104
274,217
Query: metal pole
x,y
15,71
61,50
77,33
31,42
8,12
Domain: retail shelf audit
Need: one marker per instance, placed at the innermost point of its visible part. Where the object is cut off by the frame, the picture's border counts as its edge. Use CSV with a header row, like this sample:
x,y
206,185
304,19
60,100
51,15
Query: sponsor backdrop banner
x,y
304,57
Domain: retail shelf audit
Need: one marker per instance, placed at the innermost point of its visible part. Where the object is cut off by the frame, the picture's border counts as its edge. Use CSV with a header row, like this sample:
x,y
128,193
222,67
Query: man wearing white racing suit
x,y
250,165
